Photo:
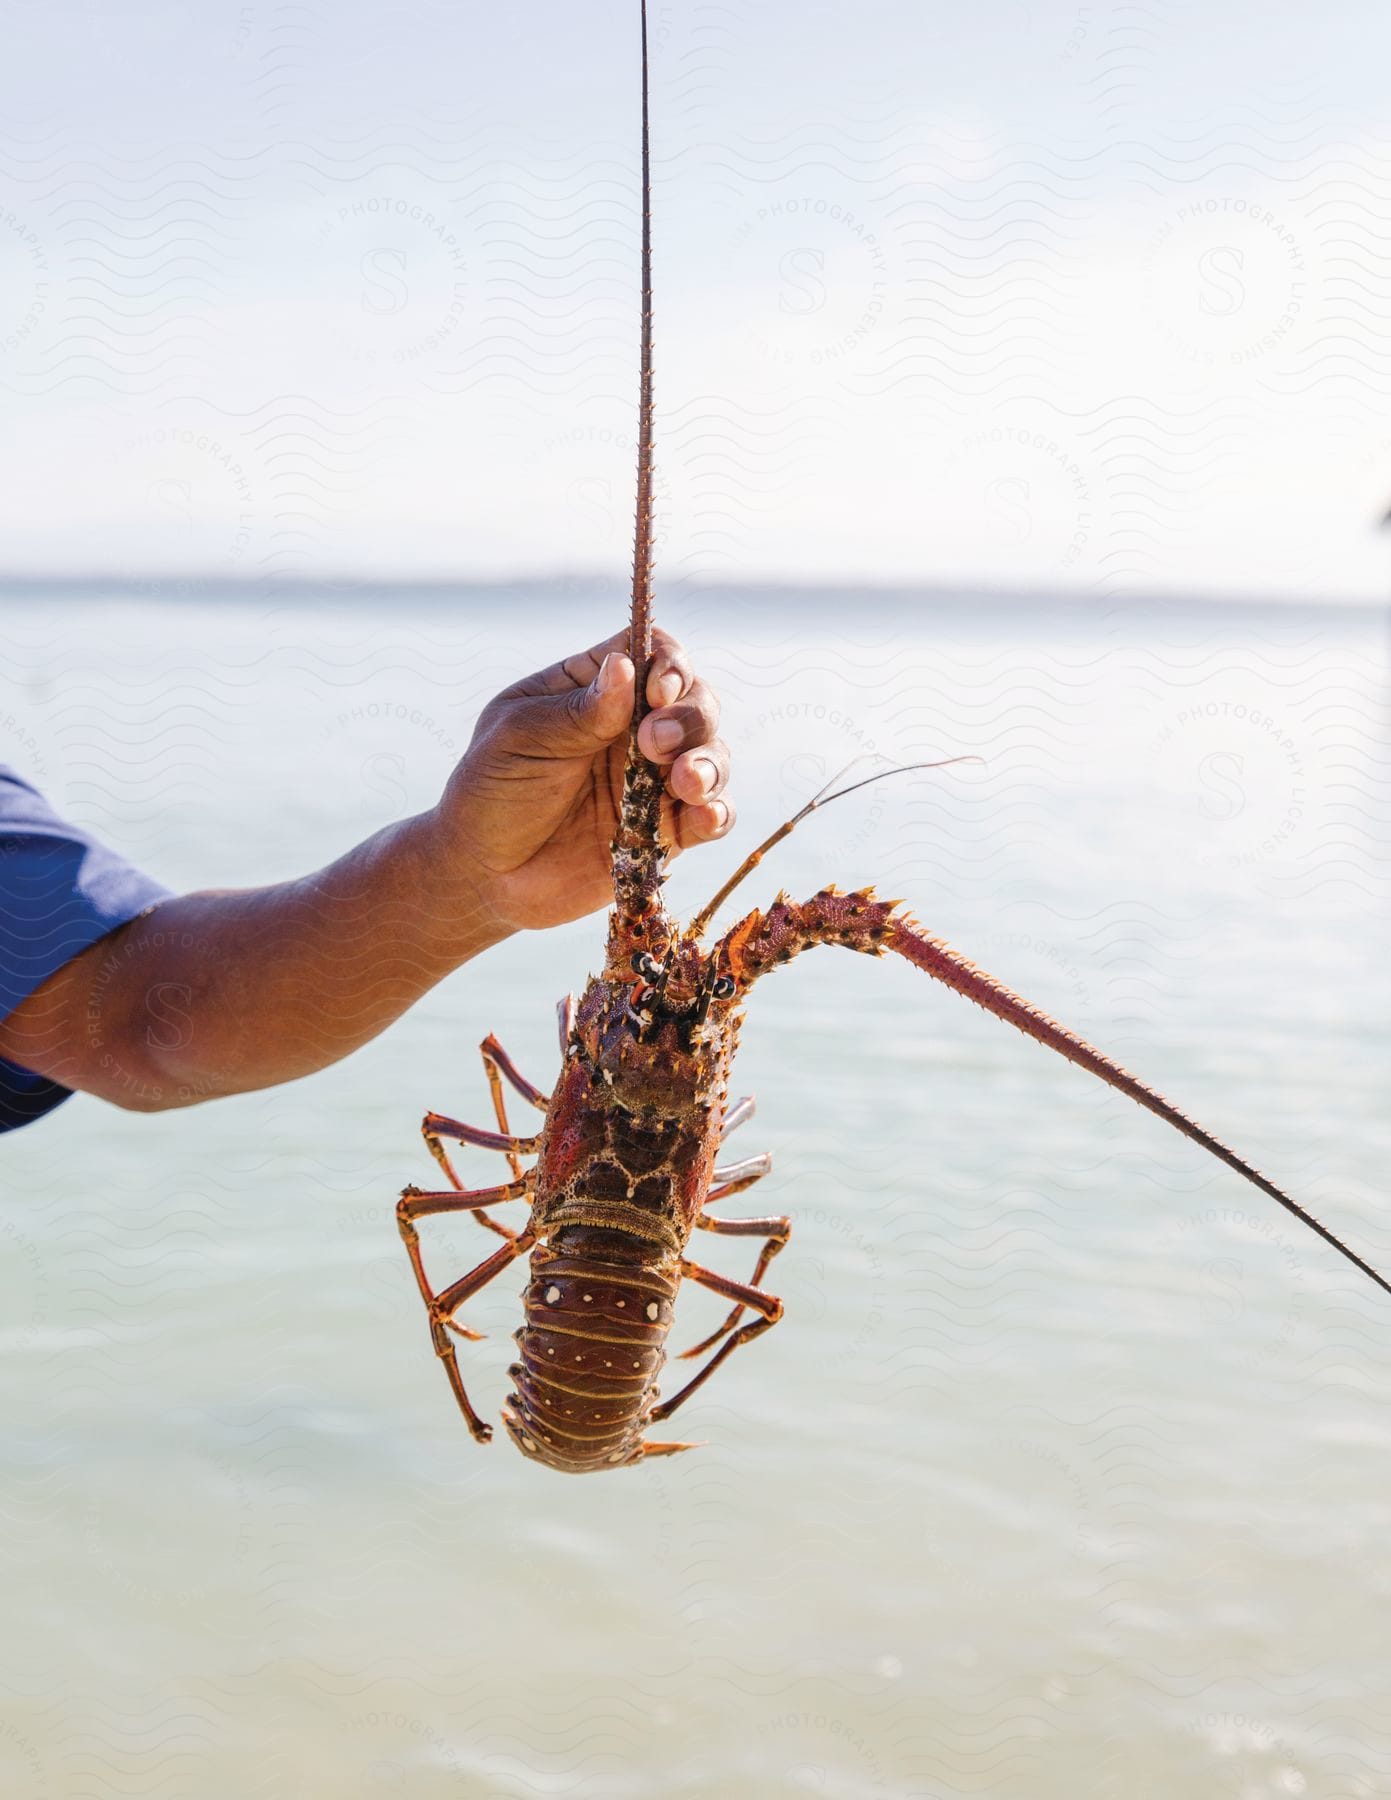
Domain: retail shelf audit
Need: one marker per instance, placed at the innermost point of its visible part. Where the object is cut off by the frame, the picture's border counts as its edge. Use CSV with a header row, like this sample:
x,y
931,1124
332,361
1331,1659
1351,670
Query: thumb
x,y
582,720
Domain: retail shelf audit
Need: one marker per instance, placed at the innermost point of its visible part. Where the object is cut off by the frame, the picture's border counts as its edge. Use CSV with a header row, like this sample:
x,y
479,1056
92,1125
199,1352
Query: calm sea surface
x,y
1068,1472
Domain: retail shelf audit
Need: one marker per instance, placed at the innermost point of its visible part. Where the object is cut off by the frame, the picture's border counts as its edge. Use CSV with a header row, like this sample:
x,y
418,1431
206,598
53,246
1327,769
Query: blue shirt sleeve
x,y
60,891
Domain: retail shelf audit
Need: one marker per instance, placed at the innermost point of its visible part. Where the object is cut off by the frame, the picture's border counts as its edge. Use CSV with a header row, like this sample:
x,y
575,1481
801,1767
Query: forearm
x,y
220,993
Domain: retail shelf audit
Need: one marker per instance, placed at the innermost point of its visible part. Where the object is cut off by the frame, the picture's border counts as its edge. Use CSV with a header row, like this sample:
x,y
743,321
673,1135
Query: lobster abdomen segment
x,y
598,1308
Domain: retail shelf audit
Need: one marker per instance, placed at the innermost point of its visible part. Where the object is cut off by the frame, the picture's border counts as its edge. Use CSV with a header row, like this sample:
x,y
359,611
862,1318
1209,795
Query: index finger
x,y
669,674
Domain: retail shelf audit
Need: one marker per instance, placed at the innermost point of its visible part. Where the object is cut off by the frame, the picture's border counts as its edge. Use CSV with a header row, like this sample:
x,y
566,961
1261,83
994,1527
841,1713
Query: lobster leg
x,y
414,1204
499,1063
496,1064
776,1230
735,1177
442,1306
767,1304
437,1150
437,1125
739,1114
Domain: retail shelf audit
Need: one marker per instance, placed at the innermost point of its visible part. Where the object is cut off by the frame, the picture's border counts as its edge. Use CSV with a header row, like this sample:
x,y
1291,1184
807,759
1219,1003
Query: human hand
x,y
533,804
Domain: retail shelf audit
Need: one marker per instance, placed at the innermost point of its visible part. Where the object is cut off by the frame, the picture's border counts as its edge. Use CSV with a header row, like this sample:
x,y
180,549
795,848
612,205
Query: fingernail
x,y
607,678
723,811
668,688
706,773
666,734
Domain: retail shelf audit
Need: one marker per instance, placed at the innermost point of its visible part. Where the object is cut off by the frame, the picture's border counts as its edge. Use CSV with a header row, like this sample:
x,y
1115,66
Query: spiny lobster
x,y
628,1153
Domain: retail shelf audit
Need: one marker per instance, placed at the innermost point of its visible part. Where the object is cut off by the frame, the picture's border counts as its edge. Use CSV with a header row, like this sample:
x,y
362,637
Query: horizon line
x,y
934,590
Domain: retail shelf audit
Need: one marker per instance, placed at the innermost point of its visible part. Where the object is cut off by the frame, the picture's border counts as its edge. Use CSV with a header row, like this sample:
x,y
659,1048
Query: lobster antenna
x,y
944,964
640,627
823,798
638,851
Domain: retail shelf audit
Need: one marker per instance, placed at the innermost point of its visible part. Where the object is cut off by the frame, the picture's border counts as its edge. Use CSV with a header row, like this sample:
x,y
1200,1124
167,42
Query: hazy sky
x,y
1050,294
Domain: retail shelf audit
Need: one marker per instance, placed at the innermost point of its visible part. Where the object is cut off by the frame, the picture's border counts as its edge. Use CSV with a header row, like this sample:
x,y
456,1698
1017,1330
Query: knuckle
x,y
493,729
690,720
721,775
497,709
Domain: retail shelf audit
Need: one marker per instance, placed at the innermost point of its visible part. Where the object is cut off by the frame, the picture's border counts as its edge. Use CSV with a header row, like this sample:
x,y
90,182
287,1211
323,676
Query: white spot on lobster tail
x,y
552,1295
653,1309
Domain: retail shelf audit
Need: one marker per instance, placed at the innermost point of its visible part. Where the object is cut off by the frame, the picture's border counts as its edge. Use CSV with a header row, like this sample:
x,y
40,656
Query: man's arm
x,y
216,993
211,994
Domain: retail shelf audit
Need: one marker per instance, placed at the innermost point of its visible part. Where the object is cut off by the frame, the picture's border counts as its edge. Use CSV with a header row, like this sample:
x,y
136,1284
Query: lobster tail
x,y
597,1318
860,921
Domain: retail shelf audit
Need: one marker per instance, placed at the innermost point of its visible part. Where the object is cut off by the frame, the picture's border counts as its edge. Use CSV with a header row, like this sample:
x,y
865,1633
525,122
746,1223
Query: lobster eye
x,y
723,988
644,963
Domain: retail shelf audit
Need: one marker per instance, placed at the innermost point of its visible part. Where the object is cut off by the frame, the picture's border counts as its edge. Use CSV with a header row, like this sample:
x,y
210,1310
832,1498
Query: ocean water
x,y
1066,1473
